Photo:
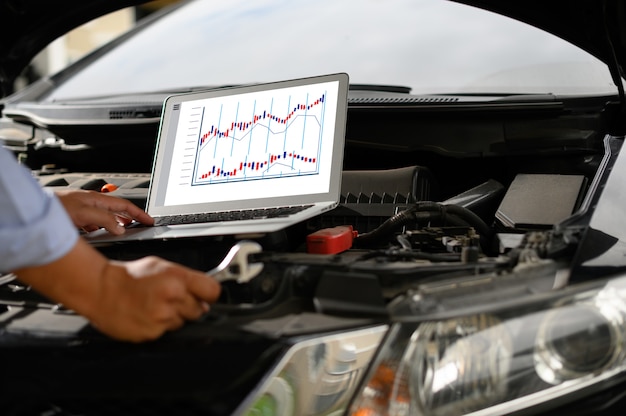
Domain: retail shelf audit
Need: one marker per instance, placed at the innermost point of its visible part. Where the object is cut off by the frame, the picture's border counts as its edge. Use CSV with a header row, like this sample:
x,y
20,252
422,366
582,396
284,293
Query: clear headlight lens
x,y
316,376
502,361
443,348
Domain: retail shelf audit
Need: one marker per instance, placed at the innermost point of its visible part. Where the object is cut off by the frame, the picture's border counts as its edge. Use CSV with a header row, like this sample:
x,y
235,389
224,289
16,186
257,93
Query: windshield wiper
x,y
380,88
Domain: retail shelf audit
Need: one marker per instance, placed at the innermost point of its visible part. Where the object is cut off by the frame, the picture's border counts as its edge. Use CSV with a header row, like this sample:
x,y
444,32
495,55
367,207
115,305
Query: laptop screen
x,y
255,146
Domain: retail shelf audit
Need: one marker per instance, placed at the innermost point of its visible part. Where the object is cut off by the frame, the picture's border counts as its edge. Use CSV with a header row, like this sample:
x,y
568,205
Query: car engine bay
x,y
388,228
419,231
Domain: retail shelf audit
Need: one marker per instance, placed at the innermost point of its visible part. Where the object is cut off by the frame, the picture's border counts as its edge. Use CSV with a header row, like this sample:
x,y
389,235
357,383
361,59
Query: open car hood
x,y
597,26
28,26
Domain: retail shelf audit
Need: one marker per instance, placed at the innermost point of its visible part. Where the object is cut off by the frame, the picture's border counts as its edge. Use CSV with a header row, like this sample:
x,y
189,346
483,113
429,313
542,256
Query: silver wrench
x,y
236,266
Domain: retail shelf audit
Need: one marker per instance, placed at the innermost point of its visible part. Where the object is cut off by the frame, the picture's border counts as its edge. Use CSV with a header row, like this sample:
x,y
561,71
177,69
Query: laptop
x,y
245,160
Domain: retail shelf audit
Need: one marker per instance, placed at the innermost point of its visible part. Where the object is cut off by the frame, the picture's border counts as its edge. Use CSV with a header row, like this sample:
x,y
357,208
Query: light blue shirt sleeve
x,y
34,227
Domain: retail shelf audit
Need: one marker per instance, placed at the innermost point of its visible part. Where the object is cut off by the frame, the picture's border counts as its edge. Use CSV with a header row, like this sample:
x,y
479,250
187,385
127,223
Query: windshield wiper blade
x,y
380,88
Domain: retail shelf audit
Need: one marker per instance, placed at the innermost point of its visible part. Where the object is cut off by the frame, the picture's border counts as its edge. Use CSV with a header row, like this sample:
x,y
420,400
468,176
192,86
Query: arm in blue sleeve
x,y
34,227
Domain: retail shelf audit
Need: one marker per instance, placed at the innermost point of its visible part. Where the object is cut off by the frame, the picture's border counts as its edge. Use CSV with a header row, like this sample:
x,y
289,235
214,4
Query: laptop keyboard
x,y
252,214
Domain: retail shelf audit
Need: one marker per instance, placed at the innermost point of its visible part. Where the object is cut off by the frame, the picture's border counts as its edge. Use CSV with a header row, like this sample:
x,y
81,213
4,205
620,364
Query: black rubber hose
x,y
465,214
387,227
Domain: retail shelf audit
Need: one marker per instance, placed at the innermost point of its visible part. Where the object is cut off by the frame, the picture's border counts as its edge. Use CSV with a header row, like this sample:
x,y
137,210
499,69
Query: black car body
x,y
486,277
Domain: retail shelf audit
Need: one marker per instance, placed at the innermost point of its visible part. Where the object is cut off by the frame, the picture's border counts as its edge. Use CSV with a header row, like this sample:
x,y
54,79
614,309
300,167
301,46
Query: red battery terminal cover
x,y
331,240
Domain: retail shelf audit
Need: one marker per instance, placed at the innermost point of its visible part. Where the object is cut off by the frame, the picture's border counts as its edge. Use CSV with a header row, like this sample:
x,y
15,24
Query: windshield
x,y
431,46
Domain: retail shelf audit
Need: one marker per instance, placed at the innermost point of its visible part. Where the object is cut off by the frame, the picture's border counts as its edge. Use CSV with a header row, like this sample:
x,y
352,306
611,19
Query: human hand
x,y
130,301
92,210
142,299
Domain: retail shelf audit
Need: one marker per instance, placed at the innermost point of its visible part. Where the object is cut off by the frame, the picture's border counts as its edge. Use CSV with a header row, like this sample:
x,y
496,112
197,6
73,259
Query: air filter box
x,y
539,201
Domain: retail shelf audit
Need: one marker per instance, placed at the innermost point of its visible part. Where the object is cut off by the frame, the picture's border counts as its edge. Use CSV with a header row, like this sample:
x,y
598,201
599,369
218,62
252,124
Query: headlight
x,y
513,358
316,376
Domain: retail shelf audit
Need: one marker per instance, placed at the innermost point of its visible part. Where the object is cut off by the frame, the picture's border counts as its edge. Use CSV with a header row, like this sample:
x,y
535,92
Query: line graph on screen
x,y
273,136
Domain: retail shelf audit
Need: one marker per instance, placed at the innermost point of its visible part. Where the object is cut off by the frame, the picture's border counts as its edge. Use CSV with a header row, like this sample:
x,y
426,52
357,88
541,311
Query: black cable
x,y
434,211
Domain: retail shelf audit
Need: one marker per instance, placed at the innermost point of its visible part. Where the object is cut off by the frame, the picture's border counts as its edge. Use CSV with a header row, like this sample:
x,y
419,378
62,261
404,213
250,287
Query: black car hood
x,y
28,26
598,26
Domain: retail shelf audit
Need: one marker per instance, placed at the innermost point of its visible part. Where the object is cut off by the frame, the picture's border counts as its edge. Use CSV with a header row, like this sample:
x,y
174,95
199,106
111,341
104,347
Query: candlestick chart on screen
x,y
268,137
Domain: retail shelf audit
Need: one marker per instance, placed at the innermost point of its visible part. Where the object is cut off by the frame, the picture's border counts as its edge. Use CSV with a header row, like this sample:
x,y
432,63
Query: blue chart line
x,y
251,140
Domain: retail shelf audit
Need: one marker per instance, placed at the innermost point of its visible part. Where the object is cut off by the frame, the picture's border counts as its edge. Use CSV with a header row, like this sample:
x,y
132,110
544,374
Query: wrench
x,y
236,266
